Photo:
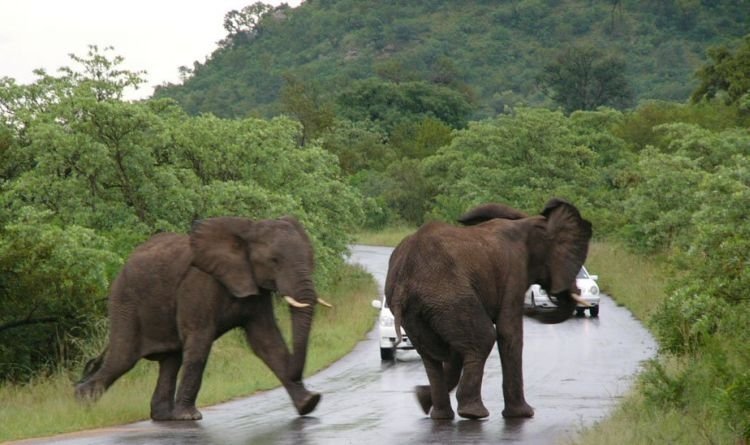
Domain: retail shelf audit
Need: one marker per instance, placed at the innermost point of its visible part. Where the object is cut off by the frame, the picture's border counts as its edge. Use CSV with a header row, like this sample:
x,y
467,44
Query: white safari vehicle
x,y
387,332
537,299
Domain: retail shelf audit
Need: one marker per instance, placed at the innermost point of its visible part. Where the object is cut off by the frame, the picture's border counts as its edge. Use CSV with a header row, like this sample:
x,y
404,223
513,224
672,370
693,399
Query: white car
x,y
387,332
537,299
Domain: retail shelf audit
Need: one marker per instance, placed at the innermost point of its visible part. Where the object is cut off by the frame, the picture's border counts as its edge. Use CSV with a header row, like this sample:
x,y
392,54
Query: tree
x,y
390,103
358,145
521,159
728,74
246,21
584,78
303,101
419,139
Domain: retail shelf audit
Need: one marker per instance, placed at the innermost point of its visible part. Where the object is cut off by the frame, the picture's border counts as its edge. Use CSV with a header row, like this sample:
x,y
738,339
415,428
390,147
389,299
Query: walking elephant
x,y
458,290
177,293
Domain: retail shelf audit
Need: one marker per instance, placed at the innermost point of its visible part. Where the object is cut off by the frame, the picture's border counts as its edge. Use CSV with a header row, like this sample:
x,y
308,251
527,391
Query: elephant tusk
x,y
294,303
324,303
579,300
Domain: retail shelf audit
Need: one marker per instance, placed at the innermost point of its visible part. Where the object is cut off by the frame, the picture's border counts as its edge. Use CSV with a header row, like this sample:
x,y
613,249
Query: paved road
x,y
575,373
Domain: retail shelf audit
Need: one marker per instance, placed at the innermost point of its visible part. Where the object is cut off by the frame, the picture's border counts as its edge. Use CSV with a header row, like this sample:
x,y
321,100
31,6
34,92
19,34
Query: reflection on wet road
x,y
575,372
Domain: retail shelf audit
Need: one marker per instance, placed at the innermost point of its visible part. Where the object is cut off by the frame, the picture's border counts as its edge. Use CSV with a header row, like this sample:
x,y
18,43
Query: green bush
x,y
687,318
100,175
53,283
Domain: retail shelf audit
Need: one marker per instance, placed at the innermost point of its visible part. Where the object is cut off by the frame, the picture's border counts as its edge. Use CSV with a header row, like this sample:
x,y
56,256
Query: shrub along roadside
x,y
678,398
46,405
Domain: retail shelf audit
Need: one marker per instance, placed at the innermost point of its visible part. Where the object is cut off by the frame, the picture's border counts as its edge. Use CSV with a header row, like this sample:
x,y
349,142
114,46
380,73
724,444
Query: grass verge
x,y
46,406
675,400
634,281
389,236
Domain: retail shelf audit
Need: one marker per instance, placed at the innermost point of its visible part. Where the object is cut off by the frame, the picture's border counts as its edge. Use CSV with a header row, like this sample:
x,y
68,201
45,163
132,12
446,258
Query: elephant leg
x,y
267,343
451,373
117,361
162,402
469,393
438,390
452,370
194,357
510,346
472,336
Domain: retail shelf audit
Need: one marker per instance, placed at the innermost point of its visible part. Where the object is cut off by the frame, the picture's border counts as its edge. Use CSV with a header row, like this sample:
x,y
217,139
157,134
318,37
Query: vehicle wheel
x,y
580,312
386,353
594,311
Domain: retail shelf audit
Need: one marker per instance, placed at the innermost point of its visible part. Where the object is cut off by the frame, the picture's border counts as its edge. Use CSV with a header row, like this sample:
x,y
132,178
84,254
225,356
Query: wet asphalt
x,y
575,373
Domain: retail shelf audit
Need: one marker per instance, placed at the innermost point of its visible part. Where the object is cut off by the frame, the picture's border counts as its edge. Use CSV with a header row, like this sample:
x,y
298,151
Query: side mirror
x,y
594,277
377,304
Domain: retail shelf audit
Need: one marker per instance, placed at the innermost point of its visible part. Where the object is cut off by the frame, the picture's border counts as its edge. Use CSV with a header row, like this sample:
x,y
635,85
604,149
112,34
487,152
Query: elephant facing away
x,y
177,293
458,290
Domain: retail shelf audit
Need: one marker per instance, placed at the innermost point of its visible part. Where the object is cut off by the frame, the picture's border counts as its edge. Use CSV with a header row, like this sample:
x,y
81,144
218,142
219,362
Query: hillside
x,y
490,51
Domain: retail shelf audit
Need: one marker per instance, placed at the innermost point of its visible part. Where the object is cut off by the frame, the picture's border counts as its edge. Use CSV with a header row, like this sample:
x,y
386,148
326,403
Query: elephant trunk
x,y
566,305
301,324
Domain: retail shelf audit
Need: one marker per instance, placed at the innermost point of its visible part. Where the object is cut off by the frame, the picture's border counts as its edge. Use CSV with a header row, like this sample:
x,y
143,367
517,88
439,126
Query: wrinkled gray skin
x,y
178,293
458,290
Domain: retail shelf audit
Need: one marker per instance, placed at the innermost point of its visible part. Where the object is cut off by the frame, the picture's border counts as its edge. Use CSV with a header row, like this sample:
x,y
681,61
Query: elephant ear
x,y
297,226
219,249
487,212
569,235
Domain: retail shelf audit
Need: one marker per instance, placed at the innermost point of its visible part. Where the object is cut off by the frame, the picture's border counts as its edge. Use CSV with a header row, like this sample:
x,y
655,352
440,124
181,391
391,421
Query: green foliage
x,y
359,145
521,159
419,139
53,282
484,50
687,319
304,102
659,210
584,78
89,176
705,174
727,74
391,104
710,381
719,253
639,128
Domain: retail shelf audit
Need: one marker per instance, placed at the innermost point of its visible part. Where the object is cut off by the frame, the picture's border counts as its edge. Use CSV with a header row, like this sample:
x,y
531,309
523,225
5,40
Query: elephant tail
x,y
397,323
92,366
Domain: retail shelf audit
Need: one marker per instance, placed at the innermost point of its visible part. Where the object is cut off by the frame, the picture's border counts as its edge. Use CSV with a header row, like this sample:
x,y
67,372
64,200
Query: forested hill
x,y
493,52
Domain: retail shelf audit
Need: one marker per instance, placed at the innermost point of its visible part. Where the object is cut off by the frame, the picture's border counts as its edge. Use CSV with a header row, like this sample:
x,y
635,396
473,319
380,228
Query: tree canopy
x,y
489,52
585,79
87,176
727,73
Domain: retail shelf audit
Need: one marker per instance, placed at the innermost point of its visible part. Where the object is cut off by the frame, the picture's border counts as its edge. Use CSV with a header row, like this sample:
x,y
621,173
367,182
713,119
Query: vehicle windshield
x,y
582,273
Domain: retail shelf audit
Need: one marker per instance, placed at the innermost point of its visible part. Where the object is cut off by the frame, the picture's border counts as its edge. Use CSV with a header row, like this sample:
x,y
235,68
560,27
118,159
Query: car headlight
x,y
386,322
594,290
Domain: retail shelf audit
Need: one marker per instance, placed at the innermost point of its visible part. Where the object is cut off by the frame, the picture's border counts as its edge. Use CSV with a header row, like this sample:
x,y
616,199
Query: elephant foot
x,y
162,412
523,410
184,413
88,391
475,410
442,414
424,397
307,404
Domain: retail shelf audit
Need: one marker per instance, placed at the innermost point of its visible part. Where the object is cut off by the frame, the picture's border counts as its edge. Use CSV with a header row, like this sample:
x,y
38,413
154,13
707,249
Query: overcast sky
x,y
157,36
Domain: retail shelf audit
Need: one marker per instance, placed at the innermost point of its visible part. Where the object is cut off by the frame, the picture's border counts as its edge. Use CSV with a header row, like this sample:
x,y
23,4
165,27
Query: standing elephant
x,y
177,293
457,290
